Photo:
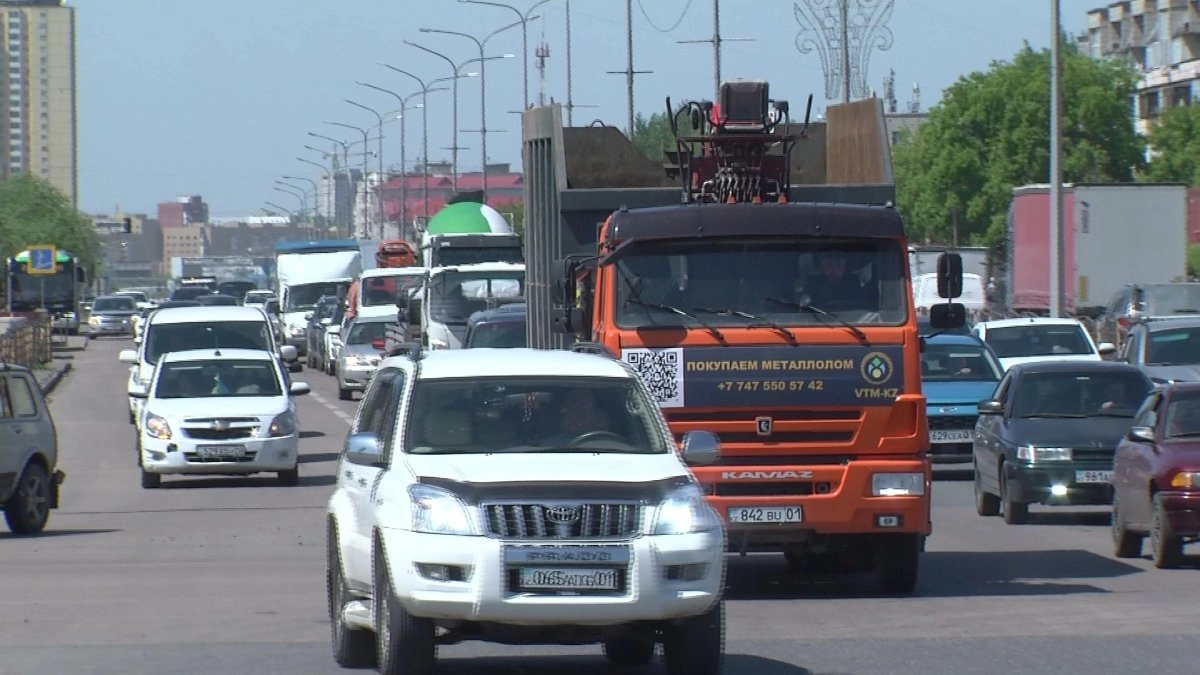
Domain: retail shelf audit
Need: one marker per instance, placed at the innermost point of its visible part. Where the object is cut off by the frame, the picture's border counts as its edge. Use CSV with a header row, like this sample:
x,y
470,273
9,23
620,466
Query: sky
x,y
217,98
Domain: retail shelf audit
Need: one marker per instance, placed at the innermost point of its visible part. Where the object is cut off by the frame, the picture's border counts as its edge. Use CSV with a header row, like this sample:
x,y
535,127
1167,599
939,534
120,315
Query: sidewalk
x,y
49,376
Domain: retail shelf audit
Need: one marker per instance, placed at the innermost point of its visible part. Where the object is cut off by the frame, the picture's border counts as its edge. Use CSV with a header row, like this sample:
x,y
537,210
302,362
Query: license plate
x,y
1093,476
765,514
569,578
951,436
217,451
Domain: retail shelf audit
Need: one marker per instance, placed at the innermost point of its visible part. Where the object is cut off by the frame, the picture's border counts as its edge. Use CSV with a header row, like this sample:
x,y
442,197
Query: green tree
x,y
652,135
1175,143
1193,259
33,211
991,133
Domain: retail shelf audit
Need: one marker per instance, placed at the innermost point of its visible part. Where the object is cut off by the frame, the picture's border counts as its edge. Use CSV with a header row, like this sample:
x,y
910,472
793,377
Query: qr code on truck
x,y
662,372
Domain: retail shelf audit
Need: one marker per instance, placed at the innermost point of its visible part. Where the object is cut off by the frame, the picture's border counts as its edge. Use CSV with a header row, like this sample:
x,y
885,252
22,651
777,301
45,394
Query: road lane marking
x,y
329,405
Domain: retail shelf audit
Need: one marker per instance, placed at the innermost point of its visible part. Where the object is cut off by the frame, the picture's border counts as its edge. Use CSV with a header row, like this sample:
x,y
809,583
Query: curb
x,y
49,385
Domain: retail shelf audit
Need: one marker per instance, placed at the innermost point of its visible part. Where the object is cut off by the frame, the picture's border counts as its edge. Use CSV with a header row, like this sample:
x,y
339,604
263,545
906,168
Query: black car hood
x,y
1184,372
1068,432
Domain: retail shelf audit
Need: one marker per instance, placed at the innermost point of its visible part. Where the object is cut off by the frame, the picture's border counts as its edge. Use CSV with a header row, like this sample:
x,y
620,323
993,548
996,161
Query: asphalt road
x,y
212,575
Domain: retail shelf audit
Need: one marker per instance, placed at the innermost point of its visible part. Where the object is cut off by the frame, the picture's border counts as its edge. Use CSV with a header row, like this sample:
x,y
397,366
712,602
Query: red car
x,y
1156,477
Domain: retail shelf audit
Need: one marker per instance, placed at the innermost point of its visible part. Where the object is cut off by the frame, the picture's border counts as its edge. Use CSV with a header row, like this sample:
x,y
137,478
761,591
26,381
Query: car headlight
x,y
684,511
897,484
93,321
1035,453
157,427
284,424
438,511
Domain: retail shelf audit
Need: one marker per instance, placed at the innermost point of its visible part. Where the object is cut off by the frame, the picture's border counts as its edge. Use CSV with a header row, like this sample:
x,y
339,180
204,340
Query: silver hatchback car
x,y
29,474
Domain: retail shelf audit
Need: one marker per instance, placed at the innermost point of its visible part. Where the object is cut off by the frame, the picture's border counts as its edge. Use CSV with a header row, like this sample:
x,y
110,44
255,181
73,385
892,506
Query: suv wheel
x,y
150,480
696,645
986,503
629,651
898,562
1166,549
28,509
406,644
352,647
1015,513
1126,544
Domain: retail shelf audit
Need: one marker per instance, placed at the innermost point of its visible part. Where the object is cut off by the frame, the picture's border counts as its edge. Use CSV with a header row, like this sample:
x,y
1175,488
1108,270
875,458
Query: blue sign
x,y
42,260
761,377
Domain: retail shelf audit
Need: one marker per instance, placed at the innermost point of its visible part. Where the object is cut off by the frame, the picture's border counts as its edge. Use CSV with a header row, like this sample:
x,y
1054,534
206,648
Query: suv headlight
x,y
1034,453
438,511
157,427
684,511
897,484
284,424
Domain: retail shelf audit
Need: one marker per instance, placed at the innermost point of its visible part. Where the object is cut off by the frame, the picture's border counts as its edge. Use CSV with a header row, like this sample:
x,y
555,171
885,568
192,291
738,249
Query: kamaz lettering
x,y
764,475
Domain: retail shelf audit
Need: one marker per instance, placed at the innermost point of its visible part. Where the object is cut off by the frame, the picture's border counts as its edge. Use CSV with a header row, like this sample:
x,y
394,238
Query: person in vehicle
x,y
833,287
577,413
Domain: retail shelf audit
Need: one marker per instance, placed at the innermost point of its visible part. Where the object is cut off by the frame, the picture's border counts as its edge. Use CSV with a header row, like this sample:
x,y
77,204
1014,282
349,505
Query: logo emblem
x,y
763,426
220,425
562,515
876,368
946,411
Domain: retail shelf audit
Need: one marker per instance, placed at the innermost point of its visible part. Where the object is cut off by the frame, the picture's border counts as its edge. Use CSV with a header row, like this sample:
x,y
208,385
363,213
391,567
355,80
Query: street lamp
x,y
455,75
365,233
328,184
524,19
303,203
302,191
314,188
379,160
425,89
482,87
345,167
285,210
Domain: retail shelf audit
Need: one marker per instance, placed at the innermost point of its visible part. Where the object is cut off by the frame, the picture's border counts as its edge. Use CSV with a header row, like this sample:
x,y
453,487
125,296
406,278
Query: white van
x,y
925,293
182,328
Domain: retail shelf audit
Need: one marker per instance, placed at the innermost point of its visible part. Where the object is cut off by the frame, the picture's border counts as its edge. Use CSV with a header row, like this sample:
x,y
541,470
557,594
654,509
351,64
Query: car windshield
x,y
859,281
534,414
137,296
1183,416
122,303
1079,394
1172,299
454,296
1173,347
366,332
380,291
177,337
943,363
502,334
1038,340
217,379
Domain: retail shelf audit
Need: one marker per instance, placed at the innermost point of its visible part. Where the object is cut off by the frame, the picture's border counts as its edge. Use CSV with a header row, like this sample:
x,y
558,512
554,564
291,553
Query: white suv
x,y
521,495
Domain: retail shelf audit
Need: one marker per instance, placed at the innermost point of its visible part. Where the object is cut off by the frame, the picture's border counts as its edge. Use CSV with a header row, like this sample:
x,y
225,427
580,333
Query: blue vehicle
x,y
957,372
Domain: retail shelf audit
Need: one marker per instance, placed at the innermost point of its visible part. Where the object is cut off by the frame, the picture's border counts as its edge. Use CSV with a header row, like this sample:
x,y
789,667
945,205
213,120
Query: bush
x,y
1193,260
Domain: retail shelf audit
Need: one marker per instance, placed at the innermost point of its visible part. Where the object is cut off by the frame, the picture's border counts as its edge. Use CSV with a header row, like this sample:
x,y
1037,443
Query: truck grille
x,y
952,421
562,521
797,489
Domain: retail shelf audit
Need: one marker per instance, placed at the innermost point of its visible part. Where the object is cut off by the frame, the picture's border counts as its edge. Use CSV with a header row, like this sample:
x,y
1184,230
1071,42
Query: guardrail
x,y
26,341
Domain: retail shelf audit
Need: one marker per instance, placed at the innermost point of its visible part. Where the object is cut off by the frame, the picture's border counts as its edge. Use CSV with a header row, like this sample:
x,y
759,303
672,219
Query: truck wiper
x,y
820,313
763,323
675,310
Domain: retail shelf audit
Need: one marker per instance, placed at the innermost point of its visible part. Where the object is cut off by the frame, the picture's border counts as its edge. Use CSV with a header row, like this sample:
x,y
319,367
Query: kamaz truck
x,y
758,281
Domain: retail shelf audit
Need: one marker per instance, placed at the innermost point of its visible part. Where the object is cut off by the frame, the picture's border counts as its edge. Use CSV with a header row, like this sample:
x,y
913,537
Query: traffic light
x,y
127,225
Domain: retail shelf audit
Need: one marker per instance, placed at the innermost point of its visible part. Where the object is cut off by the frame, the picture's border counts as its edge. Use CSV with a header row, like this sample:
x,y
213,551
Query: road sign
x,y
42,259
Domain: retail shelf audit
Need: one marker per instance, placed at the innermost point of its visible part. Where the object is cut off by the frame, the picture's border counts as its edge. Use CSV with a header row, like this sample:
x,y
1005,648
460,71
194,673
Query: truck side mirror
x,y
949,275
947,316
413,311
80,277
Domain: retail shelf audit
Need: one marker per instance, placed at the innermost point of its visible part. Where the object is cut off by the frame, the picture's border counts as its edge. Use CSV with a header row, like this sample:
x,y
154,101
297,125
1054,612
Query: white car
x,y
219,412
257,298
1040,339
474,497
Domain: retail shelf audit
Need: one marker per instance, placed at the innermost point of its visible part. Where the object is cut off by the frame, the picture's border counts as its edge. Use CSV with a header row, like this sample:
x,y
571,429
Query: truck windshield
x,y
448,256
177,337
454,296
303,297
380,291
533,414
860,281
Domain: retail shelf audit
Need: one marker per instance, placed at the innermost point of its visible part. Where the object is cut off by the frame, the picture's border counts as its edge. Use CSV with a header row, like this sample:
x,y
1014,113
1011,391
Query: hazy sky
x,y
216,97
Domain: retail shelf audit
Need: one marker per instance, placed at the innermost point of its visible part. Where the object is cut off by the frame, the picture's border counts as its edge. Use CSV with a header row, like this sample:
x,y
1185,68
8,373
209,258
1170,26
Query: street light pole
x,y
315,193
379,161
346,168
301,190
303,205
328,184
454,111
365,232
281,208
524,20
424,133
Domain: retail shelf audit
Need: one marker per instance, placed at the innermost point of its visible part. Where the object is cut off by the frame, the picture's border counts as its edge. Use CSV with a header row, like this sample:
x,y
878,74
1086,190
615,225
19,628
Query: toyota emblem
x,y
562,515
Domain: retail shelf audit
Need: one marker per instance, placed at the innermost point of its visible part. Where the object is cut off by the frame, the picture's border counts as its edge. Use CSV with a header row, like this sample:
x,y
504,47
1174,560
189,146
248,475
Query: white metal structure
x,y
451,294
1040,339
368,305
222,412
441,519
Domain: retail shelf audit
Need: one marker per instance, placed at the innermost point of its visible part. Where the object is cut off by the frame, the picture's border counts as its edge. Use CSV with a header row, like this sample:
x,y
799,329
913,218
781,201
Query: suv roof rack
x,y
587,347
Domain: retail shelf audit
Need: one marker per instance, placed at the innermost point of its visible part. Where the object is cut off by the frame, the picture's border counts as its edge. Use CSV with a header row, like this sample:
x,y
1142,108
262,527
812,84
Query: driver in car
x,y
832,287
578,413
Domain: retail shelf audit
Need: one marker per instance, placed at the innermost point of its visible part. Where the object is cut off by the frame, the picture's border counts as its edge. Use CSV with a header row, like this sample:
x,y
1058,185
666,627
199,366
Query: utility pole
x,y
570,101
629,72
1057,272
845,10
716,41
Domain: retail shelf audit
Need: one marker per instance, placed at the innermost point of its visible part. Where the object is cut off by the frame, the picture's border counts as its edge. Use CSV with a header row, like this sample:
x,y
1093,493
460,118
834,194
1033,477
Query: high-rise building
x,y
37,87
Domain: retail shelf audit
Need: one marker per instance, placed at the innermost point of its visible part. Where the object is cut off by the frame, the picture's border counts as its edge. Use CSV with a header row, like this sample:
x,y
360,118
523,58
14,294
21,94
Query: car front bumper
x,y
486,593
1183,511
181,455
110,329
355,377
1032,484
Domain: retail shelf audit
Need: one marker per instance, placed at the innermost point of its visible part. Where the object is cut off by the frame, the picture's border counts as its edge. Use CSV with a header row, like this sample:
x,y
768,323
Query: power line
x,y
678,21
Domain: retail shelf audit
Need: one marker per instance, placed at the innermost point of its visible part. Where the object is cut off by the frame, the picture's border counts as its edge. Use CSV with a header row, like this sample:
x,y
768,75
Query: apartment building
x,y
37,86
1161,39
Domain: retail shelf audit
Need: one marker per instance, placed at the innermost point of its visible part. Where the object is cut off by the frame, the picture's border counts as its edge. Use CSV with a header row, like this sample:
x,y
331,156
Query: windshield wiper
x,y
1062,415
675,310
1111,413
820,313
763,323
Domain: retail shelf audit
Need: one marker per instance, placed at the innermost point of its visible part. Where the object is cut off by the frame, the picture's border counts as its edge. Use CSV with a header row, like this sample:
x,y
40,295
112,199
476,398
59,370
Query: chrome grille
x,y
210,434
226,420
546,521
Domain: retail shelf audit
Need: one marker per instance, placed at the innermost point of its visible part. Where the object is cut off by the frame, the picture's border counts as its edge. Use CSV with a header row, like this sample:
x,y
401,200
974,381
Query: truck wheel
x,y
150,480
352,647
696,645
1126,544
1166,549
627,651
28,509
897,562
345,394
1015,513
289,478
986,504
406,644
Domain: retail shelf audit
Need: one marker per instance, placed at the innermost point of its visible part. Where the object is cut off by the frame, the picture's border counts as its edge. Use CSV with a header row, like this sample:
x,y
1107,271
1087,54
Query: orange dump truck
x,y
778,317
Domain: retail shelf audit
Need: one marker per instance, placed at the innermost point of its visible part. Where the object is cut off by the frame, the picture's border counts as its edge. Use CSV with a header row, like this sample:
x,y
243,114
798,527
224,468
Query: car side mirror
x,y
701,448
1106,348
947,316
308,317
139,393
127,356
1141,434
326,321
137,339
289,353
990,408
363,449
333,330
949,275
413,312
299,388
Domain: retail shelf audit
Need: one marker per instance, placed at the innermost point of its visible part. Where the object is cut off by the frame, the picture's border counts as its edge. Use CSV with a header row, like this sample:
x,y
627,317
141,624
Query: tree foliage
x,y
34,212
1193,259
652,135
1175,142
991,132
